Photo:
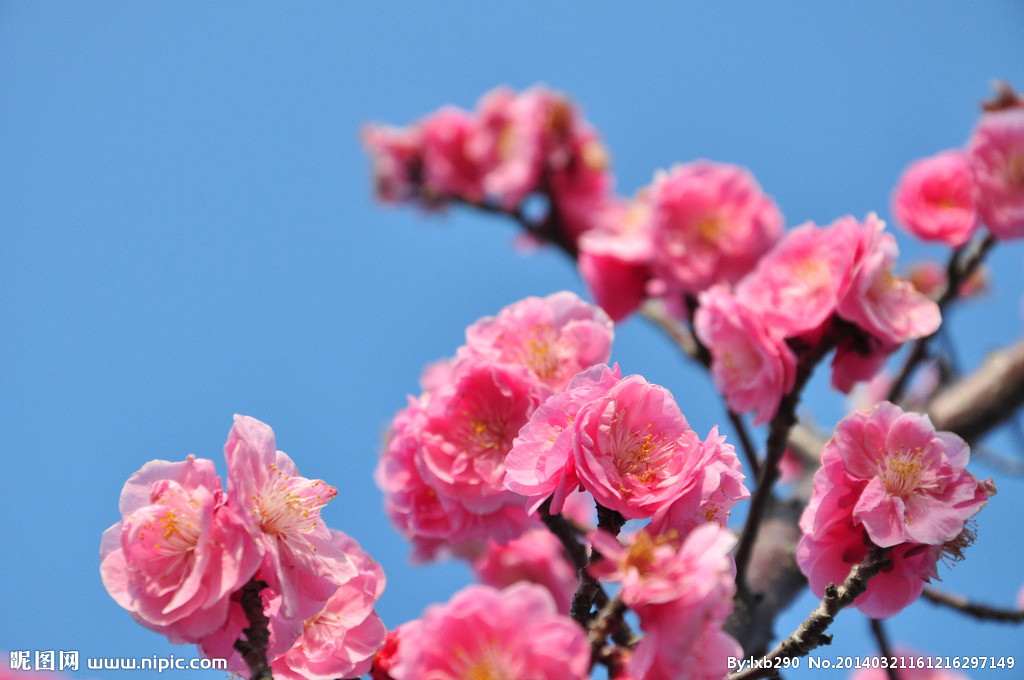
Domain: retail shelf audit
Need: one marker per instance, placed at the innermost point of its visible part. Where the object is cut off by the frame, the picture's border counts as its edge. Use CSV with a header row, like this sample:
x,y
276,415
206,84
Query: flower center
x,y
291,505
901,472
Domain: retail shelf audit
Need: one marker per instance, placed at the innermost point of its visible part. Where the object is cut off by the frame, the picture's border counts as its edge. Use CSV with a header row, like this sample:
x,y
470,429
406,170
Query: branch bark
x,y
978,402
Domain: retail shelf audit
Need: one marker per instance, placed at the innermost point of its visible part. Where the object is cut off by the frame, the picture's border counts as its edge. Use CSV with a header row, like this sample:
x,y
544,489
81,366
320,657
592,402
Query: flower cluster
x,y
488,633
682,591
514,146
185,547
443,469
626,442
943,198
889,479
816,287
698,225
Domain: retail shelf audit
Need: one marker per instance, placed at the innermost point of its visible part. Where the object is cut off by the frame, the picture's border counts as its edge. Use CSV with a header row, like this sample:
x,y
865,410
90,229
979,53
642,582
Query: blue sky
x,y
187,231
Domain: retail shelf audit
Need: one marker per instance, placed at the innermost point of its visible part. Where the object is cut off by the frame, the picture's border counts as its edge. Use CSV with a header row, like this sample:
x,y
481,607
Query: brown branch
x,y
978,402
978,611
811,633
778,439
589,592
253,647
884,648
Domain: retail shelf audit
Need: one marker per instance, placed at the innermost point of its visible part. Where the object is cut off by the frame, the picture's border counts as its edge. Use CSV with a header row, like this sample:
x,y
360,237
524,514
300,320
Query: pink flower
x,y
913,486
876,300
282,510
753,367
340,640
522,132
487,633
858,358
540,463
423,509
995,153
580,184
180,550
828,556
934,199
412,505
717,485
396,156
682,591
796,286
616,264
452,165
535,557
468,432
889,479
710,223
633,448
553,338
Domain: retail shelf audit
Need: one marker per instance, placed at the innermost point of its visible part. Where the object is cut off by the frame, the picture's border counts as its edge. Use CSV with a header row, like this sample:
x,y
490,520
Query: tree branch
x,y
253,647
811,633
978,611
978,402
962,263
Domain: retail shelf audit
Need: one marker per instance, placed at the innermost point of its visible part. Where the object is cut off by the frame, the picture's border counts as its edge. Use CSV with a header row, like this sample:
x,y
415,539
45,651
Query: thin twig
x,y
962,263
978,611
778,439
589,592
884,648
746,443
811,633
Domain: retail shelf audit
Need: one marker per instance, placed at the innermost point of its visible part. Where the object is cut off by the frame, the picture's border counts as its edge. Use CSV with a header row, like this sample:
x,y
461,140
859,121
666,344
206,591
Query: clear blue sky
x,y
187,231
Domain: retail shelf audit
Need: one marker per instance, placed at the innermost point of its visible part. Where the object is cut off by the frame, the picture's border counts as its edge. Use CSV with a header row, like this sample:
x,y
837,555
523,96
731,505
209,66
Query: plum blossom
x,y
828,556
488,633
682,592
553,338
540,464
452,166
634,450
912,482
535,557
753,367
934,199
709,223
468,430
995,154
877,301
716,488
797,285
444,468
396,155
889,479
342,638
180,550
282,509
615,261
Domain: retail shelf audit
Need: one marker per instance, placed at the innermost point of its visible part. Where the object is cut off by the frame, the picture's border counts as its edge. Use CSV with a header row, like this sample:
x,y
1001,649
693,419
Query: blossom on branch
x,y
934,199
180,550
710,223
995,153
681,589
889,479
487,633
444,468
185,550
